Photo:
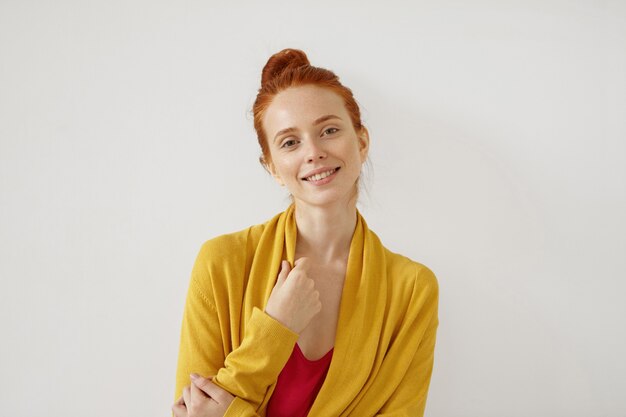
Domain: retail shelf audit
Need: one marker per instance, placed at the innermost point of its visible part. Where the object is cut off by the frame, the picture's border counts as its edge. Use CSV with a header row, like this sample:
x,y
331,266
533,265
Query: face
x,y
315,151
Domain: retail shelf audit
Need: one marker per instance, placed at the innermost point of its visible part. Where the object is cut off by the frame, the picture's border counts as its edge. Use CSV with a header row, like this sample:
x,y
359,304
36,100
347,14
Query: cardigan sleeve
x,y
406,401
247,371
200,348
240,408
409,399
254,366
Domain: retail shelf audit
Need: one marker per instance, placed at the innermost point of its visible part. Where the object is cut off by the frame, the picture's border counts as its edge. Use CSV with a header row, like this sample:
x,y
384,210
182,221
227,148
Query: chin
x,y
327,200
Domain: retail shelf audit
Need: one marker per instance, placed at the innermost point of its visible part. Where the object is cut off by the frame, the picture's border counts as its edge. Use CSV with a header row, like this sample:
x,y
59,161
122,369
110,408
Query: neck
x,y
325,232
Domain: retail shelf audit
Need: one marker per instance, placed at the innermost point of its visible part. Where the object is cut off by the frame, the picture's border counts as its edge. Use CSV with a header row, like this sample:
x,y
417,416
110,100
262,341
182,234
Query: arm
x,y
204,398
409,399
253,367
240,408
247,371
200,348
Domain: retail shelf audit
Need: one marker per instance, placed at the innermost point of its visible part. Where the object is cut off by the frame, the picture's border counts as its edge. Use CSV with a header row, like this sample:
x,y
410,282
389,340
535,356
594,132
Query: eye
x,y
288,143
332,130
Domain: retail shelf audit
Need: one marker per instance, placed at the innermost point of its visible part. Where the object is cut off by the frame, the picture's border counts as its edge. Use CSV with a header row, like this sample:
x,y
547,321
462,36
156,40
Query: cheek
x,y
352,154
287,169
345,149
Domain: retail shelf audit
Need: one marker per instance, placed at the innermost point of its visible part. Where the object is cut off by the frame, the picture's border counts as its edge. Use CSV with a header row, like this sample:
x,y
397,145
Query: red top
x,y
298,385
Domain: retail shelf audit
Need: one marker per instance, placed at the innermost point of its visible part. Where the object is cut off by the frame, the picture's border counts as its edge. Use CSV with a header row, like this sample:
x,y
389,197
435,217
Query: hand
x,y
294,301
202,399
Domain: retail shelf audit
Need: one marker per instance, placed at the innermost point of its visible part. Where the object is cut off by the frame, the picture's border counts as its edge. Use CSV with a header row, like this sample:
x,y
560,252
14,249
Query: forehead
x,y
300,106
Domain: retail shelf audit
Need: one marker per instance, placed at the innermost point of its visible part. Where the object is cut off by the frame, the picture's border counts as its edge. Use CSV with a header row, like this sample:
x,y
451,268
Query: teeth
x,y
318,177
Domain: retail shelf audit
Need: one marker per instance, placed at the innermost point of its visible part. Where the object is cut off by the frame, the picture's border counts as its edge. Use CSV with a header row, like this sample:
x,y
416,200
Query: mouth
x,y
321,176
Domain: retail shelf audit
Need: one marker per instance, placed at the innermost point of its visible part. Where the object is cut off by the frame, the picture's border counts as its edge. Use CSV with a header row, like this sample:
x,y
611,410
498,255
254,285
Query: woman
x,y
307,313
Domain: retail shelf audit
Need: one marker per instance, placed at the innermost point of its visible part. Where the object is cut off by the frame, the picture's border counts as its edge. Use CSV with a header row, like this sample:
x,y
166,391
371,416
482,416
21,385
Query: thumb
x,y
210,389
199,383
284,271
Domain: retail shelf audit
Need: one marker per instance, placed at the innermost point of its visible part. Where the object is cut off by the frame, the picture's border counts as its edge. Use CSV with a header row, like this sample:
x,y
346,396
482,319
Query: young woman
x,y
307,313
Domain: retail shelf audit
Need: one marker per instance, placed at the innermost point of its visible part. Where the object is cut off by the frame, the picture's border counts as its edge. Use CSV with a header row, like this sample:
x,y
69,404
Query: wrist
x,y
279,318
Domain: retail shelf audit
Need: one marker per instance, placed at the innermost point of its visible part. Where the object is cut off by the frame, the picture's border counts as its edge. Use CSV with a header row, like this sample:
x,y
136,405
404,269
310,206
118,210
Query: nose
x,y
315,152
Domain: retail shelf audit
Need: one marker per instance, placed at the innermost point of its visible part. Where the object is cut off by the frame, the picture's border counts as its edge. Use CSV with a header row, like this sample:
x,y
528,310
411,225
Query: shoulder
x,y
410,276
226,245
230,247
413,292
220,265
403,271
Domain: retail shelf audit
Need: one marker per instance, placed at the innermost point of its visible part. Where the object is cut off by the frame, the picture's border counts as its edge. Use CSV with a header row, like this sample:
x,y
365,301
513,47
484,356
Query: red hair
x,y
291,68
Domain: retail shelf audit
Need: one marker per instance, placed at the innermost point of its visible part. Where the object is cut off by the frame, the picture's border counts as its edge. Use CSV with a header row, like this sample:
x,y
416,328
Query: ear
x,y
364,143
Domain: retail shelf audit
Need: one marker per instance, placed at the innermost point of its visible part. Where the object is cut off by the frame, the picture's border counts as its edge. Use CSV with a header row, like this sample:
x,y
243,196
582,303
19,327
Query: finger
x,y
300,261
179,410
180,401
197,394
215,392
187,396
284,271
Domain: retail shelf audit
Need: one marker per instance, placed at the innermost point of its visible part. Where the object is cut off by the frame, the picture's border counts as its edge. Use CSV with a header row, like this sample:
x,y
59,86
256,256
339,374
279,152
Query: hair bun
x,y
287,58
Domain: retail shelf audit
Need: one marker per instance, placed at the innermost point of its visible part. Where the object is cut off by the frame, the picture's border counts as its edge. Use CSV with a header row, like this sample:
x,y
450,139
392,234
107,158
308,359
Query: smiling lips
x,y
322,175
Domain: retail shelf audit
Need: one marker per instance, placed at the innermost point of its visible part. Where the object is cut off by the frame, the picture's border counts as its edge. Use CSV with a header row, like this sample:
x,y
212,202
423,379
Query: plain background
x,y
498,160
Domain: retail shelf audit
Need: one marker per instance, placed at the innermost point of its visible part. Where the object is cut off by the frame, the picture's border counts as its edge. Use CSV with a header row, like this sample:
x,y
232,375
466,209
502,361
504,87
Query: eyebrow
x,y
316,122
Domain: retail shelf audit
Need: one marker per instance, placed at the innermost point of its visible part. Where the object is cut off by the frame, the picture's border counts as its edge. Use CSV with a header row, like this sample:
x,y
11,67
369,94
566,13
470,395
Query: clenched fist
x,y
294,301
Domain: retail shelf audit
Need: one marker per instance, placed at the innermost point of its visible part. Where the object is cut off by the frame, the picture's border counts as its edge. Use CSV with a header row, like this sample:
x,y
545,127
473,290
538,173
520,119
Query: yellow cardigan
x,y
385,341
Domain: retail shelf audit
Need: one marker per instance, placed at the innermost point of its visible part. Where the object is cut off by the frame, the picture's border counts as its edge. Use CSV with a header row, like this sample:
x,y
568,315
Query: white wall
x,y
499,160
